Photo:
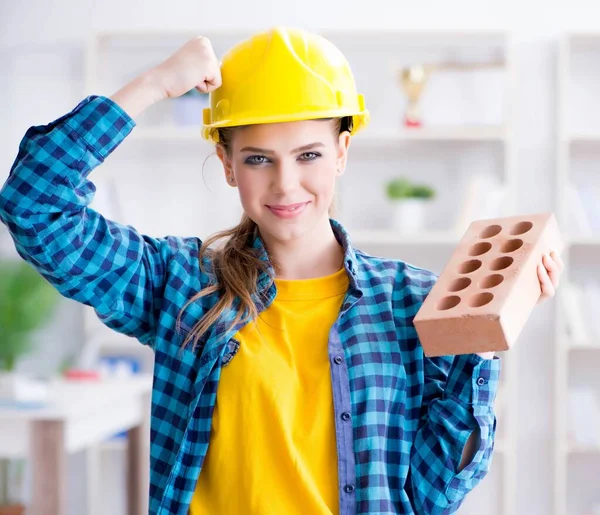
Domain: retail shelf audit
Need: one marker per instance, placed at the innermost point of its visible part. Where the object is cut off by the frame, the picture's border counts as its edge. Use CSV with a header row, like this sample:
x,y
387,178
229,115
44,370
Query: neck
x,y
316,254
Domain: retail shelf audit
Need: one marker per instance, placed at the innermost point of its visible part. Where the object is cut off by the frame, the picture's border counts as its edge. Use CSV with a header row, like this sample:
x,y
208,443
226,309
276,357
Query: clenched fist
x,y
194,65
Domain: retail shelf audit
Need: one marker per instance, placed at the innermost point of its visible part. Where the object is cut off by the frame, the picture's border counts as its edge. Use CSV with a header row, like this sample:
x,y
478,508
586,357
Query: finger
x,y
210,83
545,283
556,257
205,87
552,268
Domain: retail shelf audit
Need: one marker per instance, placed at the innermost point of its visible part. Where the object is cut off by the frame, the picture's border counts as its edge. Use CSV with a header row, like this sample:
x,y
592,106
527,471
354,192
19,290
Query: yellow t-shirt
x,y
272,447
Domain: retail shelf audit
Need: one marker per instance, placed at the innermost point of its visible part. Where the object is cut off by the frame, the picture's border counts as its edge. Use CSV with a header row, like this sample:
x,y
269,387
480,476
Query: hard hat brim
x,y
360,120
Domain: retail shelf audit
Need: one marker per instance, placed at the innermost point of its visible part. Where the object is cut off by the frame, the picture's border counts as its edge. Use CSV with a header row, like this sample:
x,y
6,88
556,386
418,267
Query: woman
x,y
288,374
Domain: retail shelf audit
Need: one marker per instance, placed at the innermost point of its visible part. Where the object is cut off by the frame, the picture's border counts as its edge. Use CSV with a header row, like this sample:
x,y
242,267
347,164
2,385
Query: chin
x,y
287,230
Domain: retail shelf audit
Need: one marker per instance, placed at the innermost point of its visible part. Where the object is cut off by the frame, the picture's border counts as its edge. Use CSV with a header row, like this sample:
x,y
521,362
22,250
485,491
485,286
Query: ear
x,y
343,146
227,165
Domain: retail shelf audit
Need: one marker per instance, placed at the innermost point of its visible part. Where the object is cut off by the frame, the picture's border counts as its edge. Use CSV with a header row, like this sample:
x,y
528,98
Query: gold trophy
x,y
413,79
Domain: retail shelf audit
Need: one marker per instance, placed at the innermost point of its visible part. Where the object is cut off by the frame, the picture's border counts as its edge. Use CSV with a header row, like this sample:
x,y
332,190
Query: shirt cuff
x,y
473,379
101,123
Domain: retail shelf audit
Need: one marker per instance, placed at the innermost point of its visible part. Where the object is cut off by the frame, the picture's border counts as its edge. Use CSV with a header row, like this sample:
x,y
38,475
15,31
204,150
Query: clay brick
x,y
489,287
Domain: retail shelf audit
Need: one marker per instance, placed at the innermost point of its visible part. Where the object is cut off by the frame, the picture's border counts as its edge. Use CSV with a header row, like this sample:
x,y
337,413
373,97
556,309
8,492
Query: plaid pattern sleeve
x,y
459,392
45,205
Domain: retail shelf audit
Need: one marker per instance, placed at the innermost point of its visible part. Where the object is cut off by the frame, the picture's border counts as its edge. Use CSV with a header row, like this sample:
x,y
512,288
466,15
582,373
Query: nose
x,y
286,177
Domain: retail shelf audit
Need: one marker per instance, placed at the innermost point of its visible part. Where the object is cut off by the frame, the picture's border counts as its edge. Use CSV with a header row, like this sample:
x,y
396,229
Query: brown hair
x,y
236,265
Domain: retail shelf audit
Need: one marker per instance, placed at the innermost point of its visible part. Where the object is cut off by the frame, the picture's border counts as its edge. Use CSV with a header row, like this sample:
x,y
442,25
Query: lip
x,y
283,211
286,206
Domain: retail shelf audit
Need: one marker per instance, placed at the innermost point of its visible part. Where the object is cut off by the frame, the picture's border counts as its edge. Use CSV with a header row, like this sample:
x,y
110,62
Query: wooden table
x,y
80,415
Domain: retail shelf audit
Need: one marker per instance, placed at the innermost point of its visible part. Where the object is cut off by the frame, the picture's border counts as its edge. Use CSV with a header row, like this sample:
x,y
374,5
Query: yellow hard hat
x,y
283,75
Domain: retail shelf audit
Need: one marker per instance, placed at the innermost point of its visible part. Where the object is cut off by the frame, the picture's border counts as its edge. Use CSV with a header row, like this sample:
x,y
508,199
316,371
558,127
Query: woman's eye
x,y
309,156
256,160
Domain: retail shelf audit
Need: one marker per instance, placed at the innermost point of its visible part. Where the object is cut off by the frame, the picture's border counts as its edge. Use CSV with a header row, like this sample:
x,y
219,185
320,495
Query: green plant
x,y
401,188
27,301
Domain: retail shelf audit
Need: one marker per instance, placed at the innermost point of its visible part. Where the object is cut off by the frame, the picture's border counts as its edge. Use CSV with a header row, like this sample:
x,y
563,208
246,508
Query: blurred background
x,y
478,109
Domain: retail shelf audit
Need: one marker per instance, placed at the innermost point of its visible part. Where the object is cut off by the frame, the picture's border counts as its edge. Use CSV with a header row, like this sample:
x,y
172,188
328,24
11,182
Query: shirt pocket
x,y
230,351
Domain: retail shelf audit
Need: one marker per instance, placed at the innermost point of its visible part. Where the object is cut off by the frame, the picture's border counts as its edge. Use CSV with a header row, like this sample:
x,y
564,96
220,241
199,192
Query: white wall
x,y
56,31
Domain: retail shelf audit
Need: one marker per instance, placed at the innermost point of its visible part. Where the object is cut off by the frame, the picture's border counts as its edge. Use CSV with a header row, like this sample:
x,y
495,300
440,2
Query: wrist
x,y
139,94
155,84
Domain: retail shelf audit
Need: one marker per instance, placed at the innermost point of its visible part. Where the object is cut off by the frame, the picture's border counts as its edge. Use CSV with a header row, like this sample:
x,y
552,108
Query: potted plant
x,y
188,108
27,301
409,201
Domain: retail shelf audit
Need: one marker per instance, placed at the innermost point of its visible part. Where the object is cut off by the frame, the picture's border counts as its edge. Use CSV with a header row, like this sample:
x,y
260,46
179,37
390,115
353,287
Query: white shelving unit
x,y
577,465
467,126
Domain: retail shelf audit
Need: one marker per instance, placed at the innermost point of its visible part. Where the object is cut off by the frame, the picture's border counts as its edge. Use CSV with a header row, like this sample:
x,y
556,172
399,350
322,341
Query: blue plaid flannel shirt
x,y
410,416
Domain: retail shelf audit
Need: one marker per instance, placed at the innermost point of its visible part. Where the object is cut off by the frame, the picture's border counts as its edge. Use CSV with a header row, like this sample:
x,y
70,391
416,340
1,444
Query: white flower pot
x,y
408,215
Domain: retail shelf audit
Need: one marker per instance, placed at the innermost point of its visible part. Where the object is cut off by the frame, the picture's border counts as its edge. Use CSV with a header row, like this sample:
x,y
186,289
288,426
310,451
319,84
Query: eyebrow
x,y
303,148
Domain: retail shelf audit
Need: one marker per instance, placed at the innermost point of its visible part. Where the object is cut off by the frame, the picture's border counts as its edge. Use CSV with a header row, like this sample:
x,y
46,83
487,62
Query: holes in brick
x,y
448,302
501,263
480,248
491,281
459,284
490,231
520,228
481,299
511,245
469,266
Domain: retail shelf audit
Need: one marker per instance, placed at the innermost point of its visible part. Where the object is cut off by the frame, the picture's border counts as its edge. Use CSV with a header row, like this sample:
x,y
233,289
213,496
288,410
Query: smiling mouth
x,y
288,207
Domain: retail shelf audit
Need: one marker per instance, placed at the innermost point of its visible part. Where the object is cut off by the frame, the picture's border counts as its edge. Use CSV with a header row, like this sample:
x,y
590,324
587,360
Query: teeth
x,y
288,208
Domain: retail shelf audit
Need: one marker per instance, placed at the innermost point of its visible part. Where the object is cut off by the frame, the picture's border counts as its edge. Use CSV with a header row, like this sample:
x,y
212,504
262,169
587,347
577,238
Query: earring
x,y
231,178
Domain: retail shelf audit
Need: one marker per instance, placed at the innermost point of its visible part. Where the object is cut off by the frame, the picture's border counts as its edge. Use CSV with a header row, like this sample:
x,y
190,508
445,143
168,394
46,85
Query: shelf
x,y
577,448
389,237
167,133
584,40
585,241
434,133
374,36
446,39
168,33
584,137
370,137
576,156
593,347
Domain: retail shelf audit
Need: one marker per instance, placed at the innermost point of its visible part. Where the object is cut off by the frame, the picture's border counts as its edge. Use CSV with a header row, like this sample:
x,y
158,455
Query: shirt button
x,y
481,381
346,416
349,489
338,360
